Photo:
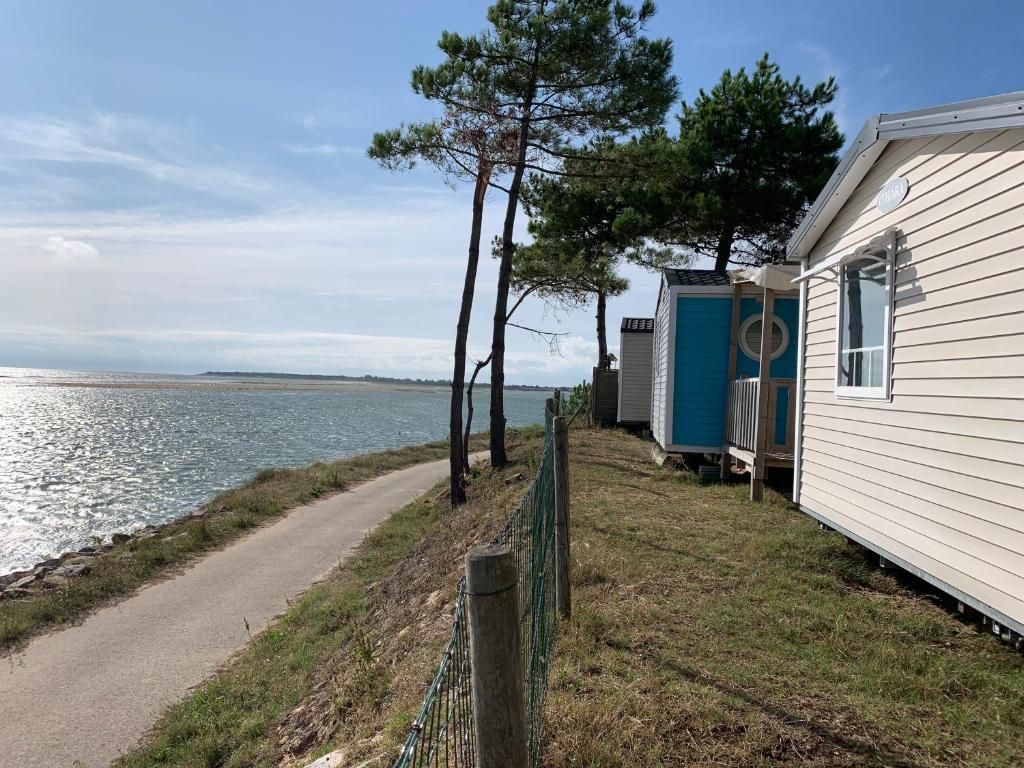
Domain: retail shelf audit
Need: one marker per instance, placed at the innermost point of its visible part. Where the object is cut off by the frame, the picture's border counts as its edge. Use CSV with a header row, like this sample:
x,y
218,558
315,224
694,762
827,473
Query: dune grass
x,y
122,569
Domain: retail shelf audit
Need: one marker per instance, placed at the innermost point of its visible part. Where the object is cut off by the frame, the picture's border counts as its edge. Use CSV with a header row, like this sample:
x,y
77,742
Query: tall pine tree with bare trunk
x,y
563,71
471,142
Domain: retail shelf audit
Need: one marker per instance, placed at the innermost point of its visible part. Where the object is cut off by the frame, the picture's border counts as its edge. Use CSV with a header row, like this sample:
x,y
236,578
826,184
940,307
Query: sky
x,y
184,186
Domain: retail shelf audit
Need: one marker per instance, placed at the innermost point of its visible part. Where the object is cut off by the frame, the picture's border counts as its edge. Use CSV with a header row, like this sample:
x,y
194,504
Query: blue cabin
x,y
706,378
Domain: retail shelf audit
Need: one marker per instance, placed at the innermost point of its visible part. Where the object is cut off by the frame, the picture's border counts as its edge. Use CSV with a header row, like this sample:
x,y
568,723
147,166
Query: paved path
x,y
88,693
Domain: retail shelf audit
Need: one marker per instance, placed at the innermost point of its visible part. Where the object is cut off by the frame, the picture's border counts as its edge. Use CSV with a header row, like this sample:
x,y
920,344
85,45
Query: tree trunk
x,y
499,457
602,335
457,475
724,250
469,412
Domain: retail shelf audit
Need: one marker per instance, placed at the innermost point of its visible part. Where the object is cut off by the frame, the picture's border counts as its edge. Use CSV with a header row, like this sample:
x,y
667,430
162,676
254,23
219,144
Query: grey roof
x,y
638,325
988,114
696,277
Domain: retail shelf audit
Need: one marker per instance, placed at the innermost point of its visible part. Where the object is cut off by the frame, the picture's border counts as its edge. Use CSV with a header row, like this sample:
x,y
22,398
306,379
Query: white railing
x,y
741,414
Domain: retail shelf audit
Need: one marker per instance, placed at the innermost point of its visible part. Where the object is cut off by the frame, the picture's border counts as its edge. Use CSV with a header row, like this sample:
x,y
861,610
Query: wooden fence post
x,y
764,377
558,402
563,588
499,701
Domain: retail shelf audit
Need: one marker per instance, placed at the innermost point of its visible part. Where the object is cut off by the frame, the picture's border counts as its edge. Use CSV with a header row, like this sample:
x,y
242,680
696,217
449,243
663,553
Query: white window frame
x,y
748,351
883,249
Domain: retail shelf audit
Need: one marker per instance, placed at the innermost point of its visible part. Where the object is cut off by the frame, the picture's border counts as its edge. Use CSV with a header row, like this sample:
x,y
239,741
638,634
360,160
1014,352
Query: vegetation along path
x,y
89,692
707,630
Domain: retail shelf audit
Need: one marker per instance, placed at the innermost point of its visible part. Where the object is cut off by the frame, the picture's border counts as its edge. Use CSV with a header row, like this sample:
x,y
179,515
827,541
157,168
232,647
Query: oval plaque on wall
x,y
892,194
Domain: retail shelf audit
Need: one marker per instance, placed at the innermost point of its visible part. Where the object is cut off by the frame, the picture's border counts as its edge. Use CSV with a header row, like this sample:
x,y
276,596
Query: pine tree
x,y
473,142
563,70
750,158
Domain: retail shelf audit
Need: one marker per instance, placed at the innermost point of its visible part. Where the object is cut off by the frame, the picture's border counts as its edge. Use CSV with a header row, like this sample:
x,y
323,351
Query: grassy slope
x,y
707,631
349,662
712,631
229,515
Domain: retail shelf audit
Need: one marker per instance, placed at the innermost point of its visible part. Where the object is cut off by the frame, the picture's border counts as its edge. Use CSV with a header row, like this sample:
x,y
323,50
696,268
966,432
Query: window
x,y
750,337
865,309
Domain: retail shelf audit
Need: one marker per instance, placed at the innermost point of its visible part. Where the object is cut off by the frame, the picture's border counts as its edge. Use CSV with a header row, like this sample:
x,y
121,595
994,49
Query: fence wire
x,y
442,734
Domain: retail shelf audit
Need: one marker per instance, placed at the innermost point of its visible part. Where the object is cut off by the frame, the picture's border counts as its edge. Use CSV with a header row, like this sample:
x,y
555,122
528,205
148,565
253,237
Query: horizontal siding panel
x,y
822,309
985,367
990,306
980,388
966,349
954,242
945,563
962,248
923,297
976,516
891,415
821,324
962,445
929,170
927,203
921,465
999,326
897,159
948,461
986,408
972,536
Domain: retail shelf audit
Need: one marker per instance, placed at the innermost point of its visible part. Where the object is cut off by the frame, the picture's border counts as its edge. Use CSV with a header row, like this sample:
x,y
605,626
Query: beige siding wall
x,y
635,354
936,476
659,388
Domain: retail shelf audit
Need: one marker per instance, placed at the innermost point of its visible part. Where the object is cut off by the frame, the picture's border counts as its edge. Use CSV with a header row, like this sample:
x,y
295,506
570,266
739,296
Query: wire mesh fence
x,y
442,733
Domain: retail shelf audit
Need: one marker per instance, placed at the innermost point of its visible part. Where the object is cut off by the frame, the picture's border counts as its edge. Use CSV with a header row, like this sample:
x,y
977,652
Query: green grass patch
x,y
710,630
122,569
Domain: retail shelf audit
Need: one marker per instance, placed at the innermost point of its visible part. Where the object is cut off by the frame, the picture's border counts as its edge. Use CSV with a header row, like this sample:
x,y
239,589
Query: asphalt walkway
x,y
83,695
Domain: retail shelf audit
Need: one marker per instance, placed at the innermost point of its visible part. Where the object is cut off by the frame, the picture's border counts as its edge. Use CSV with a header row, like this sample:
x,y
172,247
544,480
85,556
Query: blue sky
x,y
183,185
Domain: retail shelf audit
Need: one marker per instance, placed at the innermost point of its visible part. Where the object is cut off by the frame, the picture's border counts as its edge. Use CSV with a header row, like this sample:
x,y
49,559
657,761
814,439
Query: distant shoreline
x,y
366,379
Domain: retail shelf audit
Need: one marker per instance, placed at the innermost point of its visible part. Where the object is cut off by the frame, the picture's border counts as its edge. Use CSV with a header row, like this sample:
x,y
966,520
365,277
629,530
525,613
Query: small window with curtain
x,y
865,315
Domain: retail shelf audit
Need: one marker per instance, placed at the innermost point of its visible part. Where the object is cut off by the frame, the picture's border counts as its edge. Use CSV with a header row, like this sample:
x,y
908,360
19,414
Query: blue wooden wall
x,y
701,353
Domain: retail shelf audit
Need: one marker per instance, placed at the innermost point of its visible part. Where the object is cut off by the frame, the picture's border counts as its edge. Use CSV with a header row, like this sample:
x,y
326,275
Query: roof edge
x,y
990,113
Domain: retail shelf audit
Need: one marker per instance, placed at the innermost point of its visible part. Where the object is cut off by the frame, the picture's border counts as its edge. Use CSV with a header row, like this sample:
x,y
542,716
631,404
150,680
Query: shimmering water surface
x,y
135,449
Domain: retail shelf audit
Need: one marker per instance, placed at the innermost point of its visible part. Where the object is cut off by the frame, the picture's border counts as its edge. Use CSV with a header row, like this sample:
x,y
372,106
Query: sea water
x,y
87,454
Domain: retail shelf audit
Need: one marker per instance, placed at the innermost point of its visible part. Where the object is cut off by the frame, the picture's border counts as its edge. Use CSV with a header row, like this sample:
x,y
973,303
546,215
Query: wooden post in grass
x,y
764,377
499,701
734,337
563,590
558,402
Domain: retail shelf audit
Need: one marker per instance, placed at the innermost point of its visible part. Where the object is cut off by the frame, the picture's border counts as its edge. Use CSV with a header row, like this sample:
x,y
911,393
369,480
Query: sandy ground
x,y
89,692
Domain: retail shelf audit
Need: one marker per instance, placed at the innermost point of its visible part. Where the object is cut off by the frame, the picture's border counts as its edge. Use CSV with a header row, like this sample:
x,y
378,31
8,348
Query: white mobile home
x,y
636,347
910,425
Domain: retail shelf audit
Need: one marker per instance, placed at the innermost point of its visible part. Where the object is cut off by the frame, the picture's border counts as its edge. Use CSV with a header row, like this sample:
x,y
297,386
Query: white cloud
x,y
321,149
158,151
71,250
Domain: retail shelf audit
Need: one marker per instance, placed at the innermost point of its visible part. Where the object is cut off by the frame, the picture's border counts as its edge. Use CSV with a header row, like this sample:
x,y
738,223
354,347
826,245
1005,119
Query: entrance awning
x,y
778,277
881,248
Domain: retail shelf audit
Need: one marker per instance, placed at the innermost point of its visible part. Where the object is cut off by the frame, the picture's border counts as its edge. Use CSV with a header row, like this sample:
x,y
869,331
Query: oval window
x,y
750,337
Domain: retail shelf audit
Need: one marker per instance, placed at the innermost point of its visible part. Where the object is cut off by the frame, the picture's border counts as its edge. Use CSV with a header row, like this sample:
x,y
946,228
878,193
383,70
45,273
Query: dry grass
x,y
119,571
709,630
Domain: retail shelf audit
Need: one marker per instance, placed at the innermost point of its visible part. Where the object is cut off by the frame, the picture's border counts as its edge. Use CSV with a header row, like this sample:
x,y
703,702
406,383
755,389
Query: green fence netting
x,y
442,734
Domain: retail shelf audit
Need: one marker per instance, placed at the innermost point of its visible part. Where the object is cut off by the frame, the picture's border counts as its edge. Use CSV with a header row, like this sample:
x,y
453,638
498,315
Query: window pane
x,y
752,337
863,307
